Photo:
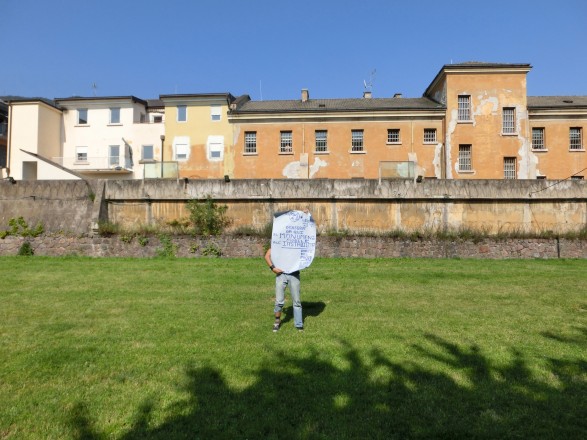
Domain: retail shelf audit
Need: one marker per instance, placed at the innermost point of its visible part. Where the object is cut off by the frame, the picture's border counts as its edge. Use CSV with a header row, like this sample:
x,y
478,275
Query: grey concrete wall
x,y
337,205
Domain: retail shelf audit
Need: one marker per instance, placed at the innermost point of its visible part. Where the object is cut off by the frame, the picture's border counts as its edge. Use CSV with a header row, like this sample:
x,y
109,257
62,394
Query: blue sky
x,y
273,49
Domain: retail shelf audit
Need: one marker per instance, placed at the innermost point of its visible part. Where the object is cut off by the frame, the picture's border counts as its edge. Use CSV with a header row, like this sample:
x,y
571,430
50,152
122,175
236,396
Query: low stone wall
x,y
253,247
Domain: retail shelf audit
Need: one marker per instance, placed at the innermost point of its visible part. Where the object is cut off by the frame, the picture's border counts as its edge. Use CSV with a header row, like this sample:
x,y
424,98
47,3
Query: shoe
x,y
276,325
300,329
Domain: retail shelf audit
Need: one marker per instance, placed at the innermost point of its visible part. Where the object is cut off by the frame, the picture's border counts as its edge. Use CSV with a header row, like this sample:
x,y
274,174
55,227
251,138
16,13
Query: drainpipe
x,y
162,146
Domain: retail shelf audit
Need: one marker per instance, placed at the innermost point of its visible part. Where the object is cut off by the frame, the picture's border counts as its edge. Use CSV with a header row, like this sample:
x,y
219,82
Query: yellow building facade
x,y
197,134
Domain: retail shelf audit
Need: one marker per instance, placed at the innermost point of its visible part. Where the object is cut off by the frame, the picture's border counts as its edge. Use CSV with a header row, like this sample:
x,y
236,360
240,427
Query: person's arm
x,y
270,263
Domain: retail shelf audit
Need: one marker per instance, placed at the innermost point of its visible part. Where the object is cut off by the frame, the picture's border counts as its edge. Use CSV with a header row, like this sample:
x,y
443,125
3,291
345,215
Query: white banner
x,y
293,240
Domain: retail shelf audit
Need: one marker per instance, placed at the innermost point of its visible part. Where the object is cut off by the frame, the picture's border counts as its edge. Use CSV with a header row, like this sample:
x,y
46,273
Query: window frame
x,y
181,108
542,140
147,159
357,141
508,121
286,142
576,142
250,143
463,110
510,173
394,136
215,112
116,163
320,144
465,158
434,132
80,120
79,151
179,154
112,112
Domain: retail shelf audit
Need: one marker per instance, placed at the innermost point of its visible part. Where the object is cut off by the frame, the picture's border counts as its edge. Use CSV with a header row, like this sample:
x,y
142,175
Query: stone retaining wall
x,y
253,247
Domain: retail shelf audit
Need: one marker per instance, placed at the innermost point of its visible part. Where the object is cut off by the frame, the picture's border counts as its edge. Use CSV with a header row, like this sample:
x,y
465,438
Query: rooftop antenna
x,y
369,85
94,88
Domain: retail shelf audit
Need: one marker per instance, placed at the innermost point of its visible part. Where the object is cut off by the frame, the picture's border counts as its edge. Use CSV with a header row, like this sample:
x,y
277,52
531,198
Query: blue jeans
x,y
293,281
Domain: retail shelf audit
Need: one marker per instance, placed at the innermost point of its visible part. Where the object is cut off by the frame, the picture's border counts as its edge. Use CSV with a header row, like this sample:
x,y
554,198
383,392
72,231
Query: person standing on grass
x,y
292,249
282,280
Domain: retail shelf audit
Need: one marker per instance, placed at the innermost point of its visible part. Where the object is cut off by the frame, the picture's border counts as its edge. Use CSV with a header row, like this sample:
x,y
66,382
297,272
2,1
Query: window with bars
x,y
509,167
286,144
430,135
577,177
356,140
393,136
321,141
464,113
465,163
575,138
251,142
538,138
509,120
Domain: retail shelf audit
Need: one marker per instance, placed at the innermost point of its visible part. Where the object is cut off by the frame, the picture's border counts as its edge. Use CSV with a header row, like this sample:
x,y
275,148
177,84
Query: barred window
x,y
509,167
286,145
464,113
509,120
393,136
250,142
576,143
356,140
321,141
465,158
538,138
430,135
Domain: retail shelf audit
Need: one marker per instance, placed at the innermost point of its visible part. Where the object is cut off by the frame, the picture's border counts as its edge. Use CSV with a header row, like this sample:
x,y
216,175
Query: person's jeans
x,y
293,281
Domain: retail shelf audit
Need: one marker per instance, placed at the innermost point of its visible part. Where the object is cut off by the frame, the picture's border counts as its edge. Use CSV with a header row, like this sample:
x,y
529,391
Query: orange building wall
x,y
490,93
339,162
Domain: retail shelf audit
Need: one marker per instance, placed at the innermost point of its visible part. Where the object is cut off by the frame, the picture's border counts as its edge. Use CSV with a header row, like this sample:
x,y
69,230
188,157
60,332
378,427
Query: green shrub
x,y
18,227
212,251
26,250
206,217
168,249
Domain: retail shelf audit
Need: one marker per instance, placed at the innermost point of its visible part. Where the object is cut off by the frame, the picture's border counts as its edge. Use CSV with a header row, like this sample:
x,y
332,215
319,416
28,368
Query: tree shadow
x,y
464,395
310,309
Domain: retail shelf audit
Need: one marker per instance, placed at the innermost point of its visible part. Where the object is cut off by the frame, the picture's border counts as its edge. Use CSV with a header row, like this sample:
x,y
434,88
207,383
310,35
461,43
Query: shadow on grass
x,y
309,308
373,397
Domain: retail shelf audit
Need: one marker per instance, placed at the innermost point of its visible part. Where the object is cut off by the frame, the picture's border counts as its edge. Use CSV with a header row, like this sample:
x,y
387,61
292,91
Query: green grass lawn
x,y
393,348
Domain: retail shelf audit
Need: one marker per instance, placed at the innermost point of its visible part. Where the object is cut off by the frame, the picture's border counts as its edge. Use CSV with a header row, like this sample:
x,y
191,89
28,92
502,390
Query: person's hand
x,y
276,270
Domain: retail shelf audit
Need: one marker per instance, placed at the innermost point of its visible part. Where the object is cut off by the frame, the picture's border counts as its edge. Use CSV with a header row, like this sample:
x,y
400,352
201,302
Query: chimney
x,y
367,94
397,95
305,95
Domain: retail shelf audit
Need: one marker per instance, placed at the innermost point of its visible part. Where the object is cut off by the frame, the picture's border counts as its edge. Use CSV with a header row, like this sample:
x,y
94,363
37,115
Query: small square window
x,y
393,136
181,151
81,154
148,152
430,135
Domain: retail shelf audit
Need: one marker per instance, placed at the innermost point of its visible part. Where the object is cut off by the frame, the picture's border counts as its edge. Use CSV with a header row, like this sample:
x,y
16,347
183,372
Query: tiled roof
x,y
557,101
337,105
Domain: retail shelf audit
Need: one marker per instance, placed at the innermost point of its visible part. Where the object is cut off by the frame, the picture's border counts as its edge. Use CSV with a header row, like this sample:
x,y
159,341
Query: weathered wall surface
x,y
337,205
253,247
